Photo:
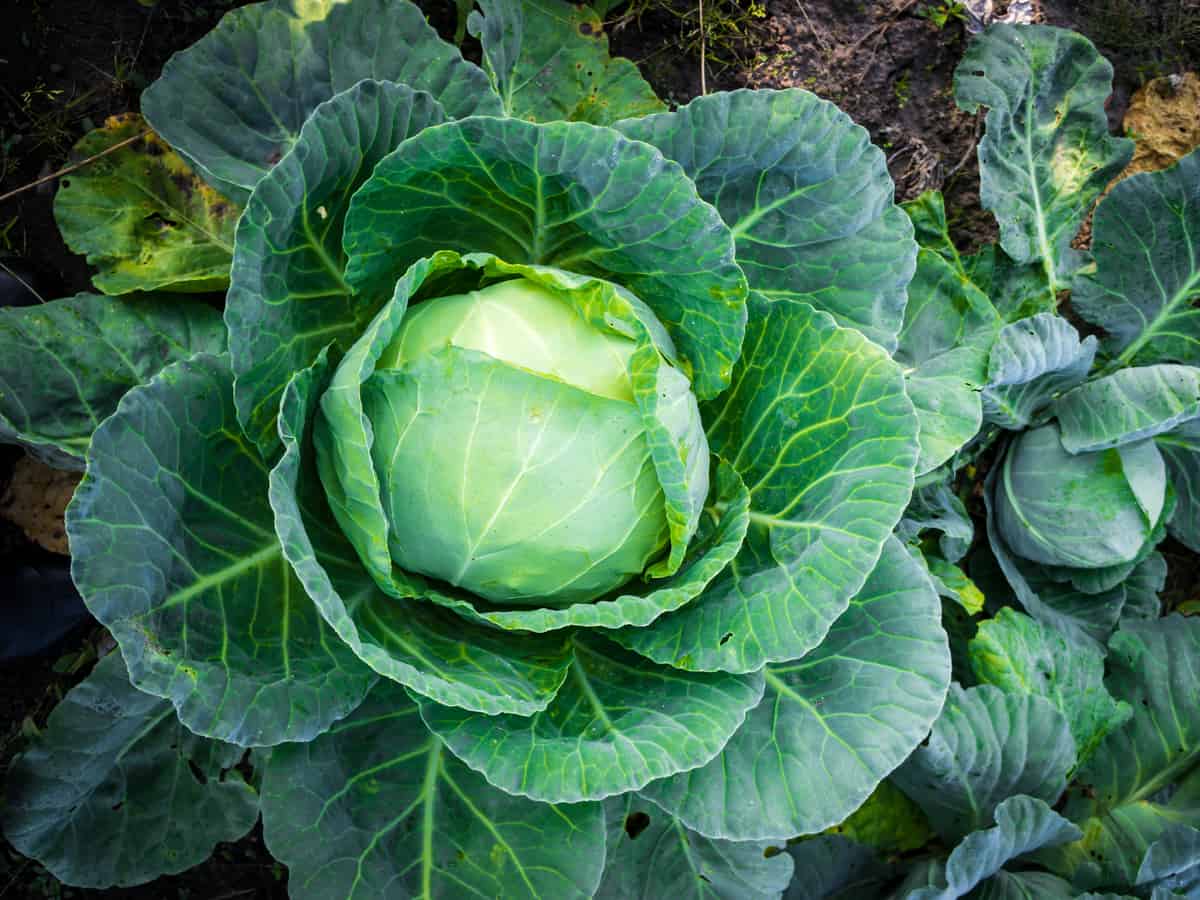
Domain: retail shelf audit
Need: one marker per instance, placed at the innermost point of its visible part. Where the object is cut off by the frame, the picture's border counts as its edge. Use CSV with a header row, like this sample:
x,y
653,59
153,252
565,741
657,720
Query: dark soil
x,y
67,64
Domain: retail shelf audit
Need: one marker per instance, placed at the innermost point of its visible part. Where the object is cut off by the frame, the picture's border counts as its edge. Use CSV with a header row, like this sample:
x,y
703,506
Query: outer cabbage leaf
x,y
117,792
887,821
819,427
1086,511
1126,406
550,61
174,552
1146,238
1023,824
1016,290
1025,885
617,723
949,327
378,808
930,229
936,507
831,867
807,197
986,747
142,217
1181,452
288,297
568,195
1032,361
1022,656
67,363
831,725
1144,778
234,102
651,854
426,648
1046,154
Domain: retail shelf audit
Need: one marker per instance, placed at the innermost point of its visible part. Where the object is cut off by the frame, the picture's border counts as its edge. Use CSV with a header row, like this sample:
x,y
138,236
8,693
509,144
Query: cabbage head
x,y
536,487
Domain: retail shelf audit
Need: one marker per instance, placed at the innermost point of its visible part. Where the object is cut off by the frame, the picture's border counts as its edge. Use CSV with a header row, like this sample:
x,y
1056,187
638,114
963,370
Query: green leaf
x,y
174,552
1025,885
1021,656
564,194
831,867
1046,154
116,791
1082,617
431,650
617,723
234,102
986,747
807,196
550,61
819,427
832,725
928,215
935,506
64,365
1023,824
1181,452
1126,406
952,583
142,217
1088,511
378,808
887,821
1142,588
1173,861
949,327
1017,291
1146,239
1033,361
288,297
1144,778
651,854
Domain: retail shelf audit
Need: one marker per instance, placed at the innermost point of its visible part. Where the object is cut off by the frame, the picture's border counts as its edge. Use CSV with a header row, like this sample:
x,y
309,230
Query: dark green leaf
x,y
117,792
64,365
1181,452
288,297
819,427
1046,154
835,868
234,102
807,196
651,854
617,723
1126,406
831,725
175,553
378,808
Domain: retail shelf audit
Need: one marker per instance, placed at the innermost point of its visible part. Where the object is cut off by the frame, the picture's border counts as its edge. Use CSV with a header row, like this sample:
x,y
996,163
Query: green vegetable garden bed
x,y
499,470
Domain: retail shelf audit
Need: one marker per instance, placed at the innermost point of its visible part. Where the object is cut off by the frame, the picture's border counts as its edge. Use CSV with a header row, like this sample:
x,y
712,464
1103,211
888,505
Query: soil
x,y
67,64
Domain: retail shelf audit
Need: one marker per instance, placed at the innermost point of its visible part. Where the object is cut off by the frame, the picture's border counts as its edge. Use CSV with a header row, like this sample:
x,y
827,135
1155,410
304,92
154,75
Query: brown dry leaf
x,y
35,501
1163,119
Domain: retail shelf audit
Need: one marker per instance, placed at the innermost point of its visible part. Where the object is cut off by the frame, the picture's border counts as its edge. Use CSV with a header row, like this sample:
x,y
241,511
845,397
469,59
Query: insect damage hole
x,y
636,823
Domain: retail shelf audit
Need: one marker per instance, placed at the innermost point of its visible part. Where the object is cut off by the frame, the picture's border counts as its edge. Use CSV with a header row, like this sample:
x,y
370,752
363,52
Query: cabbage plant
x,y
523,526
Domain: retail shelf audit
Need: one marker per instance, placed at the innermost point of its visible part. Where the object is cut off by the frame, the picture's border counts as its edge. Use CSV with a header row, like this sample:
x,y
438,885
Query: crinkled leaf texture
x,y
1144,779
116,791
777,165
235,101
818,425
1181,452
174,551
1143,292
67,363
830,726
288,297
377,808
549,62
1046,154
652,854
987,746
